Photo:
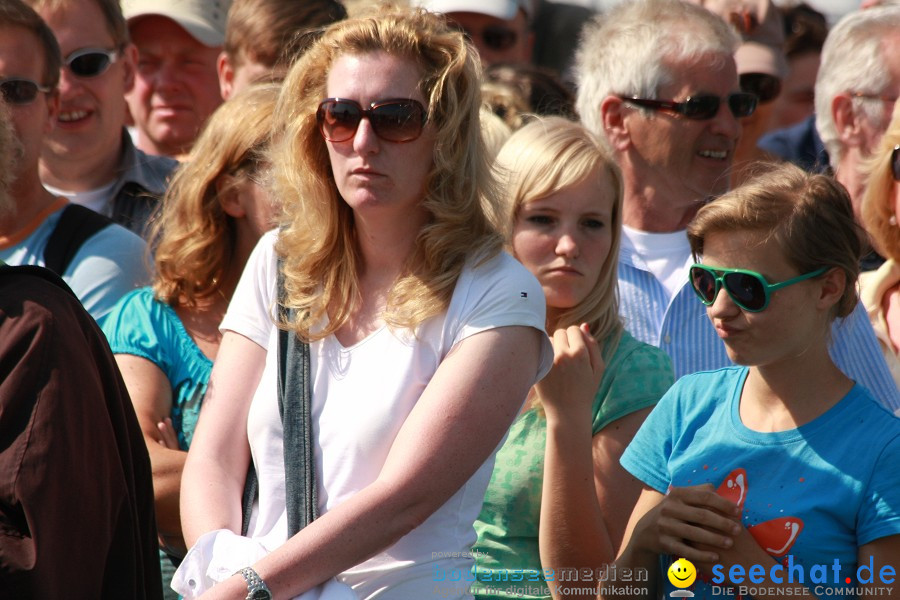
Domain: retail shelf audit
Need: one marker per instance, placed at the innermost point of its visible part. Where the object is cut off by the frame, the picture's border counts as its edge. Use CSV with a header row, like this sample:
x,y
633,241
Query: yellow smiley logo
x,y
682,573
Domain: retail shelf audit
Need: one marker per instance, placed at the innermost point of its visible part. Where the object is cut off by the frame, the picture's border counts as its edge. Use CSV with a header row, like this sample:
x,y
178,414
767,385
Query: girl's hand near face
x,y
567,392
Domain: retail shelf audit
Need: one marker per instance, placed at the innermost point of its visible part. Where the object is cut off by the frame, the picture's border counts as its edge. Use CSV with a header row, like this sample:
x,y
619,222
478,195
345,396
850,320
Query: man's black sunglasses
x,y
700,108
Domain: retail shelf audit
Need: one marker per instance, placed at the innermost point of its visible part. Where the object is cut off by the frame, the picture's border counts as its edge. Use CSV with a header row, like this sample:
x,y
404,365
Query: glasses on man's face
x,y
700,108
90,62
495,37
20,91
895,163
763,86
396,120
747,289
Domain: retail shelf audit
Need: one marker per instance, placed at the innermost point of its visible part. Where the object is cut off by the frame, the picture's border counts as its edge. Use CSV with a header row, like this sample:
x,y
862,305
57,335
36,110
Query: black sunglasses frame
x,y
110,56
700,108
19,100
381,124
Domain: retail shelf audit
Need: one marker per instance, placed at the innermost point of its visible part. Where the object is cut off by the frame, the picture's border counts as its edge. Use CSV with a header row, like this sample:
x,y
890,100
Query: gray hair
x,y
853,61
630,50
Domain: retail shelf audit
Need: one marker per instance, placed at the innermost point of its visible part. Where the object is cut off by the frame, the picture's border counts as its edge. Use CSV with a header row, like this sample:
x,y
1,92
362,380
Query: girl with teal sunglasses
x,y
781,459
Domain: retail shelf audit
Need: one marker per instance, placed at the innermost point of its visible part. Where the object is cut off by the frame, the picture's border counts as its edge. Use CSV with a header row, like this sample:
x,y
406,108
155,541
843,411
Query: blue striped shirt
x,y
681,328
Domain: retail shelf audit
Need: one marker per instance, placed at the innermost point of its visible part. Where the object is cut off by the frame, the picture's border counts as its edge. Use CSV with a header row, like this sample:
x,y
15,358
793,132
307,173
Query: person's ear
x,y
846,122
228,194
615,126
832,285
52,110
226,75
129,61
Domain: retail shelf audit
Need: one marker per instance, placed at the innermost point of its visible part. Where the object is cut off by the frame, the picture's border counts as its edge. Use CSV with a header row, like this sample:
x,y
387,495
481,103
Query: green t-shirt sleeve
x,y
636,377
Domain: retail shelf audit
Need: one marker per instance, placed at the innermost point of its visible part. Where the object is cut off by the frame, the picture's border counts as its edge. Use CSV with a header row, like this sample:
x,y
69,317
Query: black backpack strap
x,y
76,225
295,408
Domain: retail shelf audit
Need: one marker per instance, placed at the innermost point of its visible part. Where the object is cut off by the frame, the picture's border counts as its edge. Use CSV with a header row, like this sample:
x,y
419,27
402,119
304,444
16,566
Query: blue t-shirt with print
x,y
814,494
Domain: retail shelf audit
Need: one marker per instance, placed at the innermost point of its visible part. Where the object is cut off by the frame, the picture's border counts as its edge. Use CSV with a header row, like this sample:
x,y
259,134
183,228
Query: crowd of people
x,y
301,299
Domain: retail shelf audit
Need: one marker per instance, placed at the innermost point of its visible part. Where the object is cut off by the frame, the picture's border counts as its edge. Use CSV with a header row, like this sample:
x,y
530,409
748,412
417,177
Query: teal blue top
x,y
141,325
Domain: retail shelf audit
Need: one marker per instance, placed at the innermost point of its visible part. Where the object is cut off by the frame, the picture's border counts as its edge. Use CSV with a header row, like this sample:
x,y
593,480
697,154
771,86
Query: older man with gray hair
x,y
856,87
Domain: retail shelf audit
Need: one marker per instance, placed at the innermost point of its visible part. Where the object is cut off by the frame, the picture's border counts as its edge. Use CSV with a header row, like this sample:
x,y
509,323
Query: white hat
x,y
502,9
203,19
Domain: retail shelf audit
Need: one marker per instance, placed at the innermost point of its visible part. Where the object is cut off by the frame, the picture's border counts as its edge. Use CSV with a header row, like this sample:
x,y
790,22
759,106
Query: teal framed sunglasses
x,y
748,289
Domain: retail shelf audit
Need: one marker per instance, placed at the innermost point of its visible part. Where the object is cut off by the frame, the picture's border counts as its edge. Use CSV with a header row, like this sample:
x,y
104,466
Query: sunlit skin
x,y
564,240
83,150
176,88
379,179
787,328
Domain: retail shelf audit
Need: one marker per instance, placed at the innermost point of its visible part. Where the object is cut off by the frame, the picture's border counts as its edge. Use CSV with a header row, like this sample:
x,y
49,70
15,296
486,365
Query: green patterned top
x,y
636,377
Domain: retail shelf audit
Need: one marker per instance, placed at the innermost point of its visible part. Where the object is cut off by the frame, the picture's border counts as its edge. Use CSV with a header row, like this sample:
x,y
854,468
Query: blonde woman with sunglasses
x,y
424,336
782,460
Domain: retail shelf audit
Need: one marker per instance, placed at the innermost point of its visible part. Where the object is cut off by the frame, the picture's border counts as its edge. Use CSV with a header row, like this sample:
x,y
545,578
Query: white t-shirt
x,y
667,255
361,397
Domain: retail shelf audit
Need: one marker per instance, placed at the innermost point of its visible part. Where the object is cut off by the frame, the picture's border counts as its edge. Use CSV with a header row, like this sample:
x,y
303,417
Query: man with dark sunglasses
x,y
658,83
89,157
500,29
98,259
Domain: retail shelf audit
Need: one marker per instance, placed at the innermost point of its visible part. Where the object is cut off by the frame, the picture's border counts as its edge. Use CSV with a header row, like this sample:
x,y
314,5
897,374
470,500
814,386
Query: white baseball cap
x,y
203,19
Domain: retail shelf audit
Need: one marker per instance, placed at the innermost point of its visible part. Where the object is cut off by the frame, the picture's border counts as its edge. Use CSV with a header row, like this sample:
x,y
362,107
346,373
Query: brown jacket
x,y
76,495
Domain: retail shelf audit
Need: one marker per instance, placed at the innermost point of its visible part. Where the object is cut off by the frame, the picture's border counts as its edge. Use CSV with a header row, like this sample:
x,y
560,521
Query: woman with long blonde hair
x,y
424,337
558,498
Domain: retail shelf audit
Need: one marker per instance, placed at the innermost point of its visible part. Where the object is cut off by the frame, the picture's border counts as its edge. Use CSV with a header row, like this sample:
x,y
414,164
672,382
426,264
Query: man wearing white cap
x,y
176,86
500,29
